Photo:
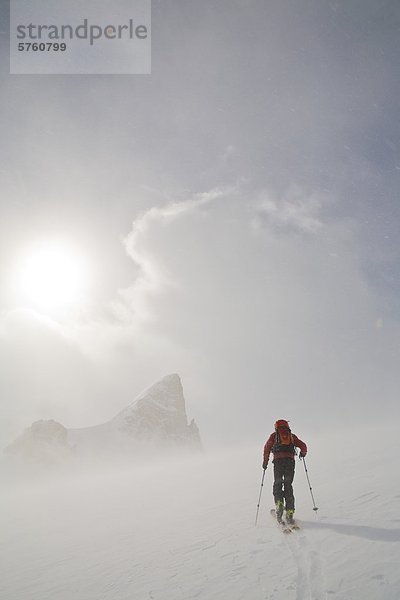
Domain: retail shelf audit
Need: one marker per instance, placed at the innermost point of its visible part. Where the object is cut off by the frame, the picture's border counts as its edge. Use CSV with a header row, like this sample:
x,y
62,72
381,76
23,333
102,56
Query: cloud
x,y
266,317
153,273
295,211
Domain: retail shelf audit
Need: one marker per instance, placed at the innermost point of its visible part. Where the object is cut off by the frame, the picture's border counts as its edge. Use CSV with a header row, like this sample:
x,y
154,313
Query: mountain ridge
x,y
155,418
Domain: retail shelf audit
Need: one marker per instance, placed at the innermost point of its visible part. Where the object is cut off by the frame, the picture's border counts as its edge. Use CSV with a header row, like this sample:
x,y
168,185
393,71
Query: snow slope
x,y
185,530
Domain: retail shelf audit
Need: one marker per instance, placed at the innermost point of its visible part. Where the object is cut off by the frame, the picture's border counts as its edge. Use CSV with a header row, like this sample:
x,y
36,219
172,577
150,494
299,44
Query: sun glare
x,y
51,276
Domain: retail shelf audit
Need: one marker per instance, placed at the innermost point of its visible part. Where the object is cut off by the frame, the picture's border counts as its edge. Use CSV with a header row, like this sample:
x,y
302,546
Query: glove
x,y
265,465
302,454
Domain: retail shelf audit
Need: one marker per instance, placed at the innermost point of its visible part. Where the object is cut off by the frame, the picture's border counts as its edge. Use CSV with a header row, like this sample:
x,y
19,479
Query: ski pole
x,y
259,498
309,484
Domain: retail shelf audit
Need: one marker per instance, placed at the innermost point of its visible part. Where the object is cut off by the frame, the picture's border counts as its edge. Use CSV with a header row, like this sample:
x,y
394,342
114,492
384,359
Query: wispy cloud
x,y
153,274
295,211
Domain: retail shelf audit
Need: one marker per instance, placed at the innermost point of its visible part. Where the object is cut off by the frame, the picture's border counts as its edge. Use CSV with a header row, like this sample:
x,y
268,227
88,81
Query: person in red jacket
x,y
282,443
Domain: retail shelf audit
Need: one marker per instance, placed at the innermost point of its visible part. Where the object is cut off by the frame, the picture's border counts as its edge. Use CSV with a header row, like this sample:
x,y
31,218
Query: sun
x,y
50,276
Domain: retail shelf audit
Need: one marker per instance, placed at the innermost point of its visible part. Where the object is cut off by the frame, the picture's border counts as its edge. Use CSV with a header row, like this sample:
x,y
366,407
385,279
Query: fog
x,y
184,528
237,214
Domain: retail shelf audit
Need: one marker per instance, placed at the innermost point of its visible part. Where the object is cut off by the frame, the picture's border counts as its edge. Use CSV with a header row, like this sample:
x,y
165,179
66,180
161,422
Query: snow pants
x,y
283,479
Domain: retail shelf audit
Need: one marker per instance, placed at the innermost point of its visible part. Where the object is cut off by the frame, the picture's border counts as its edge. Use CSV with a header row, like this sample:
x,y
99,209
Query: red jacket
x,y
271,441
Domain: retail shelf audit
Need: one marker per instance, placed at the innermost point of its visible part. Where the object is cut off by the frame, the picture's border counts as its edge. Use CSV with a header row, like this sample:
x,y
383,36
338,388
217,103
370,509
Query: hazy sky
x,y
237,214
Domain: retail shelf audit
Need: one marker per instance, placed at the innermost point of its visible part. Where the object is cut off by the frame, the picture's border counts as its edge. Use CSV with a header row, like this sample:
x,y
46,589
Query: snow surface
x,y
185,529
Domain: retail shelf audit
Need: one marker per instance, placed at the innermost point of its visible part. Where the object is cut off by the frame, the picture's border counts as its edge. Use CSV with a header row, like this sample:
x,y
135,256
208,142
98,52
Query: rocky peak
x,y
43,441
159,414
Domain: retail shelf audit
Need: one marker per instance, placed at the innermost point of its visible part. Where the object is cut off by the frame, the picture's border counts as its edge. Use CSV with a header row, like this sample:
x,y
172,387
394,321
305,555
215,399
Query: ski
x,y
283,526
293,526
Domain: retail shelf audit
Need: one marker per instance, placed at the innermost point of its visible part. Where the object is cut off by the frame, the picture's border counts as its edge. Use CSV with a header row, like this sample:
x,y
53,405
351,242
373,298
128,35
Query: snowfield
x,y
184,529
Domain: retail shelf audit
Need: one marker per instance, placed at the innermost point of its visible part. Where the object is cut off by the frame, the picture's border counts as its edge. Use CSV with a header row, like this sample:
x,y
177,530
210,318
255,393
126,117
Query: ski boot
x,y
279,510
290,516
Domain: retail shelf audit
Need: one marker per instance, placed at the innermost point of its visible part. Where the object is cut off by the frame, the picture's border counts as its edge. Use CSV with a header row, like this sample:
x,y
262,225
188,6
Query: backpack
x,y
283,440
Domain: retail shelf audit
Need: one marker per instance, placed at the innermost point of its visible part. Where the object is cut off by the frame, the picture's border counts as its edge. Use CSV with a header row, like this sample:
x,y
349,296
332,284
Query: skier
x,y
282,443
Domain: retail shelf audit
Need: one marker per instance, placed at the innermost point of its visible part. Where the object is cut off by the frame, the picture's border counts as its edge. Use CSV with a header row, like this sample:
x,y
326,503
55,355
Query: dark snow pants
x,y
283,479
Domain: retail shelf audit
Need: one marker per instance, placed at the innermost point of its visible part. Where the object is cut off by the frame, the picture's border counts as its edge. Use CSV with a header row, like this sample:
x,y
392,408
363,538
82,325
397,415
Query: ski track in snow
x,y
310,580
